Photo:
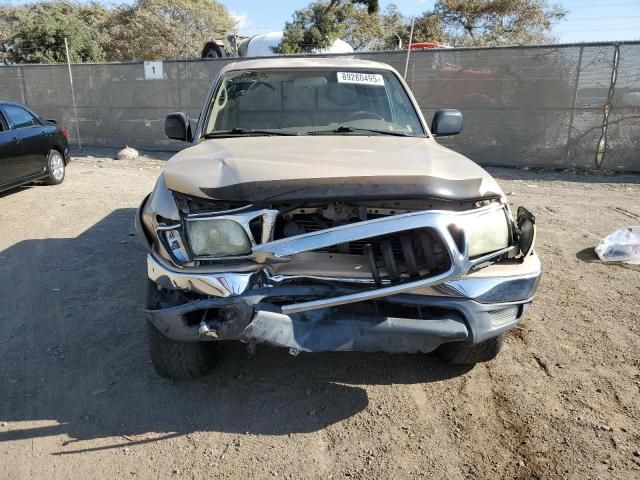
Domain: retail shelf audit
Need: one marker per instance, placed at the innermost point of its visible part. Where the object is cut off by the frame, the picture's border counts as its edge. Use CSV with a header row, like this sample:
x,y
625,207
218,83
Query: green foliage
x,y
157,29
36,33
456,22
146,30
372,5
497,22
322,22
10,18
427,28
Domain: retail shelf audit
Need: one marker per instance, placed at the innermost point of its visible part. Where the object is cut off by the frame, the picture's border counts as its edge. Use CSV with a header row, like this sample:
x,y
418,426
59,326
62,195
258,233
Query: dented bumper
x,y
473,308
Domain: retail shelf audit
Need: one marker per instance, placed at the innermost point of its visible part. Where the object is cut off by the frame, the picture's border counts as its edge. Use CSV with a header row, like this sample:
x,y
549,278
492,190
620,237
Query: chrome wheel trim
x,y
56,164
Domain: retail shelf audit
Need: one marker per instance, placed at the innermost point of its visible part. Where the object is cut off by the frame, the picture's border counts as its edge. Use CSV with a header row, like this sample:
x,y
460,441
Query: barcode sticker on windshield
x,y
361,78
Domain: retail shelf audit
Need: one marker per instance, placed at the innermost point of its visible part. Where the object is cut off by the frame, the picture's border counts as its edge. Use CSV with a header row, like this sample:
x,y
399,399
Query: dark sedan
x,y
31,148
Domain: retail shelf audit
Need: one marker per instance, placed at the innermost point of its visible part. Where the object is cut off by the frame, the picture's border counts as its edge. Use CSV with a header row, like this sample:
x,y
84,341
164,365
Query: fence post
x,y
573,107
406,65
73,95
603,143
24,87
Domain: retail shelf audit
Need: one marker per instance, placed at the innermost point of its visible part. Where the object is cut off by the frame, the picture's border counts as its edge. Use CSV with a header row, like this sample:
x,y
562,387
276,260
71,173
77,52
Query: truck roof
x,y
306,62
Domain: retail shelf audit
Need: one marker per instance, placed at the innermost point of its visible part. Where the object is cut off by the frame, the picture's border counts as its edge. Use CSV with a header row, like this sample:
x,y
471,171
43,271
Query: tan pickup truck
x,y
315,211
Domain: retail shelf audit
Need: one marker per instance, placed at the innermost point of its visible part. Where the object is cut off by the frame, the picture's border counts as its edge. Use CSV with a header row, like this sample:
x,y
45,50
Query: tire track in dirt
x,y
431,410
513,424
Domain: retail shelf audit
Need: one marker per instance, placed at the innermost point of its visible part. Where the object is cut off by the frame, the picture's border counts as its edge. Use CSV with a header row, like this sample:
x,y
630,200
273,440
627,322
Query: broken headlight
x,y
211,237
526,227
487,233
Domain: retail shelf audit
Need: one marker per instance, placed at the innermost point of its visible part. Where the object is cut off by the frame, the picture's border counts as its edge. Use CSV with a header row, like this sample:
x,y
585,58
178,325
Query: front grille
x,y
404,256
395,257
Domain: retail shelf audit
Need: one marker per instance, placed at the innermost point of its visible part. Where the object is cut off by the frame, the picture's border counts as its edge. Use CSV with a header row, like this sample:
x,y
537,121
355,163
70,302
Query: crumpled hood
x,y
293,168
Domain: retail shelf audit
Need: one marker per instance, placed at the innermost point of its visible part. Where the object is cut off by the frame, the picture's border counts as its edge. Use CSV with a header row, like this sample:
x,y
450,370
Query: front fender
x,y
143,236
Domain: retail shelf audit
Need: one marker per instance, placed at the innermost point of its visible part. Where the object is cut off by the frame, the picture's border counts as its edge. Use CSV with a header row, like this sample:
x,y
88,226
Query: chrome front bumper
x,y
506,282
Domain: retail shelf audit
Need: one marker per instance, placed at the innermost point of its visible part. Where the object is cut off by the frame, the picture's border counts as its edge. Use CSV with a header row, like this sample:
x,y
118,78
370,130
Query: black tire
x,y
56,168
460,353
177,360
211,51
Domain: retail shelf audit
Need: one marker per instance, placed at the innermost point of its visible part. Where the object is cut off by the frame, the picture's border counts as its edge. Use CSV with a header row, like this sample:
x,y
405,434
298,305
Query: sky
x,y
587,21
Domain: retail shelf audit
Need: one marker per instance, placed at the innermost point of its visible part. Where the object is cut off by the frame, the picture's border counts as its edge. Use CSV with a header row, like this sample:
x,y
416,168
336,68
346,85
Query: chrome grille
x,y
395,257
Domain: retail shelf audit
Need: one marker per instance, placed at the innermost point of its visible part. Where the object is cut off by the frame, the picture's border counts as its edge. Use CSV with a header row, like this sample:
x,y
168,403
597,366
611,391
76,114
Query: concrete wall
x,y
554,106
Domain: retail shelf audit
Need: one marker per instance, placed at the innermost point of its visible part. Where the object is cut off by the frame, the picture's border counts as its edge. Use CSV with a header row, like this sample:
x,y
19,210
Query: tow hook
x,y
205,331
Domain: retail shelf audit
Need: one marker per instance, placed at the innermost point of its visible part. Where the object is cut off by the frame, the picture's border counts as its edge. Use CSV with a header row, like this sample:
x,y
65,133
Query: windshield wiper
x,y
246,131
343,129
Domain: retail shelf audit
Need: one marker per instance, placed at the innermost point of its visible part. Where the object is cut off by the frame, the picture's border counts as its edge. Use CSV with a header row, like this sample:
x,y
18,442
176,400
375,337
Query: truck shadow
x,y
75,363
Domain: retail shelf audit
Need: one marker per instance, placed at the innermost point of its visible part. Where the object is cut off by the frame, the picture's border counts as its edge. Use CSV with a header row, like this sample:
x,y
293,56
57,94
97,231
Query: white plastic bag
x,y
623,245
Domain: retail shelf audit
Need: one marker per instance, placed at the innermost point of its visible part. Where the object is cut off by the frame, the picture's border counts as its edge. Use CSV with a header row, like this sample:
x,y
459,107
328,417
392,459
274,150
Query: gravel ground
x,y
79,398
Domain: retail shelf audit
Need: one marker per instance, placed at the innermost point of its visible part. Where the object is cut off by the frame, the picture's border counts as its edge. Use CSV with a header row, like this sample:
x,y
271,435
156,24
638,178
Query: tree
x,y
427,28
36,33
394,24
148,29
497,22
157,29
364,30
321,23
9,19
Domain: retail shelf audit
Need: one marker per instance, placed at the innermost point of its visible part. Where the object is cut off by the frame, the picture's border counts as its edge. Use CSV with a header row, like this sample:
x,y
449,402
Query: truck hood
x,y
302,168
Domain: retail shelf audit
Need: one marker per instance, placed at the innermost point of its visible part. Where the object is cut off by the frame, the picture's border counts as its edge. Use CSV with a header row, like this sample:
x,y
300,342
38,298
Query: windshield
x,y
311,102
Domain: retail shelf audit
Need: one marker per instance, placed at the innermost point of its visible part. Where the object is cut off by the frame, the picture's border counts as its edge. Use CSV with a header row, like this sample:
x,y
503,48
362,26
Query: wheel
x,y
211,51
179,360
460,353
176,360
55,168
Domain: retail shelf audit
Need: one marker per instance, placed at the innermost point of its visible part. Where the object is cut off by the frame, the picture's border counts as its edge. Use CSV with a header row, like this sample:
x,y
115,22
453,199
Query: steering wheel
x,y
363,114
261,83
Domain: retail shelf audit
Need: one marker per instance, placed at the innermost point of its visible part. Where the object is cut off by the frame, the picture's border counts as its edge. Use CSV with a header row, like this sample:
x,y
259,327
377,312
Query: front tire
x,y
56,168
172,359
460,353
179,360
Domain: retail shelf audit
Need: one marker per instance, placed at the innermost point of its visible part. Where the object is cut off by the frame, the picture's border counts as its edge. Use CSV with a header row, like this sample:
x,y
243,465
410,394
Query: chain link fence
x,y
562,106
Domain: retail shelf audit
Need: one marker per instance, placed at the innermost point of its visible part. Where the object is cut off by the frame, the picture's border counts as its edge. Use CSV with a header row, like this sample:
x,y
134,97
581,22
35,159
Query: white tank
x,y
261,45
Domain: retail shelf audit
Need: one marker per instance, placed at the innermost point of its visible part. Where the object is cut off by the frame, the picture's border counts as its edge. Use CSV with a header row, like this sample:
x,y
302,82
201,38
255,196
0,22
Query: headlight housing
x,y
220,237
487,233
174,245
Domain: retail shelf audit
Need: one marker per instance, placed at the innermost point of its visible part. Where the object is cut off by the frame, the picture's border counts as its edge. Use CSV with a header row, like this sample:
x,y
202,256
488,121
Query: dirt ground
x,y
79,397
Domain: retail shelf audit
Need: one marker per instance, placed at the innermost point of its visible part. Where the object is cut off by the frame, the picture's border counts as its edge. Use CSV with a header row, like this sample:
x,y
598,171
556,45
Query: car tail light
x,y
65,132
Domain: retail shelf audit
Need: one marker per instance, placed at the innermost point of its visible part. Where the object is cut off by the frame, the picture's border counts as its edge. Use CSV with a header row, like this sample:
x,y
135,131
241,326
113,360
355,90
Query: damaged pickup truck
x,y
315,211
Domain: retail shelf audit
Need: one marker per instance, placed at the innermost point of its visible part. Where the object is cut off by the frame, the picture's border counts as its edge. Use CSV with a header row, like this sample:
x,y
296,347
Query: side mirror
x,y
446,122
178,127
